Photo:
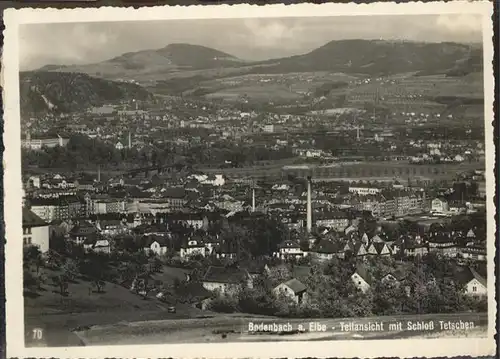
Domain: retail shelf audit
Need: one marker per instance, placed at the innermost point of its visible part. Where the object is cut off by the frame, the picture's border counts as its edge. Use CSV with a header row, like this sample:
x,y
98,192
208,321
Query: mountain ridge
x,y
370,57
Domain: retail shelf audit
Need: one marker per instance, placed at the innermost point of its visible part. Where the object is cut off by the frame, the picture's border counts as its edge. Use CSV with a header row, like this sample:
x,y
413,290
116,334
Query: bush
x,y
223,304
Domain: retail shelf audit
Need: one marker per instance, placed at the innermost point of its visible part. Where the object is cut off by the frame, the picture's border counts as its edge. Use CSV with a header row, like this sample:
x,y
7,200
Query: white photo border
x,y
13,185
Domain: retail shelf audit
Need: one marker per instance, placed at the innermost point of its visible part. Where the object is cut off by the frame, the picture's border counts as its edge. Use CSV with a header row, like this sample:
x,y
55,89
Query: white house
x,y
364,190
34,181
193,247
293,289
361,278
35,231
475,284
214,180
98,244
439,205
111,227
155,244
288,249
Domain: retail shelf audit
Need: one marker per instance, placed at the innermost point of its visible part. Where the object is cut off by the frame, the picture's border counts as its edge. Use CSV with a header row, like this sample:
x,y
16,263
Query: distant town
x,y
178,206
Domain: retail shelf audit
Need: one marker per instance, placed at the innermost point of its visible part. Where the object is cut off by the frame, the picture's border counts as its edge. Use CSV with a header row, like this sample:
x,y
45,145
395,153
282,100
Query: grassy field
x,y
256,92
83,307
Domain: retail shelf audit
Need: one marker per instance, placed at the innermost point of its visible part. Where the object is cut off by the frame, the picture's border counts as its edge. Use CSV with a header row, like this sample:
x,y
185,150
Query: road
x,y
235,328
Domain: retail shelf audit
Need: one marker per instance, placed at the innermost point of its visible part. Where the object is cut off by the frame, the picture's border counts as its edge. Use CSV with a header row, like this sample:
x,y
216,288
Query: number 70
x,y
37,334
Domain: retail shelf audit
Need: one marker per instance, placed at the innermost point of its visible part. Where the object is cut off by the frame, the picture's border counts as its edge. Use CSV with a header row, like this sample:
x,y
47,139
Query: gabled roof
x,y
468,274
295,285
288,244
253,267
83,228
379,246
349,246
358,246
363,273
90,239
230,275
147,241
30,219
328,247
399,274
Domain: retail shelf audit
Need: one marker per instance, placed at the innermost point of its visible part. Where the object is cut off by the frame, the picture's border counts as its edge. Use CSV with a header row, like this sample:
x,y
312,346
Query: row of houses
x,y
325,247
228,280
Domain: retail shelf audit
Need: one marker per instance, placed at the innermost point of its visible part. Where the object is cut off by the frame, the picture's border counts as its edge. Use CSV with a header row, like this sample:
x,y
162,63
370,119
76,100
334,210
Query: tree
x,y
70,269
388,298
95,267
58,244
33,257
155,265
99,285
61,282
29,280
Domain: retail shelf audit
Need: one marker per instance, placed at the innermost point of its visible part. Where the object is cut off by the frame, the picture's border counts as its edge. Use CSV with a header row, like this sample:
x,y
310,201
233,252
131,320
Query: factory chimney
x,y
99,174
253,199
129,140
309,205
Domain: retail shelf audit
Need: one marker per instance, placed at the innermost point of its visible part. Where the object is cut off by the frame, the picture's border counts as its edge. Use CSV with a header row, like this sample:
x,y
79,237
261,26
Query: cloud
x,y
270,33
258,39
463,24
61,43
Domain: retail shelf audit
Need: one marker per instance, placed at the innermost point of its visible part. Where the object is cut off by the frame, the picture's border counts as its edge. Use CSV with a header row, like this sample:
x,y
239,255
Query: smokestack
x,y
357,133
253,199
309,206
129,140
99,174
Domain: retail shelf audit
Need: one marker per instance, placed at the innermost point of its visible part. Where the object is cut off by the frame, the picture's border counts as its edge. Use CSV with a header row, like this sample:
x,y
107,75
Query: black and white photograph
x,y
247,176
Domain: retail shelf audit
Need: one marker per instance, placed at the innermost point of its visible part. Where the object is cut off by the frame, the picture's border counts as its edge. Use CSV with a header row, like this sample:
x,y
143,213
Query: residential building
x,y
83,232
35,231
193,247
293,289
439,205
364,190
226,280
338,221
289,249
325,250
361,278
379,249
97,244
475,285
155,244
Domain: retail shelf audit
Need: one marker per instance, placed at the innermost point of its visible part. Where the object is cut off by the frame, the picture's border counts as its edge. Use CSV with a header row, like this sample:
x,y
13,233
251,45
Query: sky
x,y
249,39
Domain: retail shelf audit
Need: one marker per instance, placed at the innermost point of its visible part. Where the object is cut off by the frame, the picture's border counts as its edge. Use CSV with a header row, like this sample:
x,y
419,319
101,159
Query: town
x,y
205,207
